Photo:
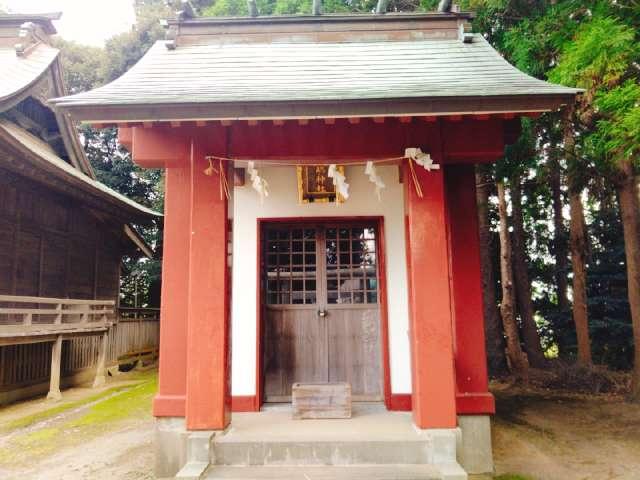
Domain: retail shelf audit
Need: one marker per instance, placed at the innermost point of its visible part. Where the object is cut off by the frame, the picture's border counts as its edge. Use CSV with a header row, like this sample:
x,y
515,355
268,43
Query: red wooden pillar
x,y
170,400
470,354
208,403
433,397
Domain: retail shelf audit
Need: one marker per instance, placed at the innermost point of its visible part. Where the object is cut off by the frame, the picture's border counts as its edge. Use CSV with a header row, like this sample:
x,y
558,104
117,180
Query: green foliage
x,y
82,65
301,7
592,45
598,56
610,324
618,132
124,50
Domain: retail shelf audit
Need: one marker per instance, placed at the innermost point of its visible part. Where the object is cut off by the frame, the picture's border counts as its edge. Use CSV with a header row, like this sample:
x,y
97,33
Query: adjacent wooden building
x,y
62,233
316,282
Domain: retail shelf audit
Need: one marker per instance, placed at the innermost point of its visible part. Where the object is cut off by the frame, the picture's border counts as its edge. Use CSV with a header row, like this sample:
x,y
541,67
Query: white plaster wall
x,y
283,202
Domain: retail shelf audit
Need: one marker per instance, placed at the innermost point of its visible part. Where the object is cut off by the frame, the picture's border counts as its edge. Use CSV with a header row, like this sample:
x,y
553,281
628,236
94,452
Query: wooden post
x,y
56,361
58,319
208,405
431,336
102,361
473,396
170,400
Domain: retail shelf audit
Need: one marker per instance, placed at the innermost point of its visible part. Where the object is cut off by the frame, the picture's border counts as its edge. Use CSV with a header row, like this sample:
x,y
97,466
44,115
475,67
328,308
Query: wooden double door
x,y
321,293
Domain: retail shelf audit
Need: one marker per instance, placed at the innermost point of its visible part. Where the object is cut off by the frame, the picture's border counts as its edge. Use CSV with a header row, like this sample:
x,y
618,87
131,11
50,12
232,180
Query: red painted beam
x,y
160,146
125,136
247,403
475,404
465,141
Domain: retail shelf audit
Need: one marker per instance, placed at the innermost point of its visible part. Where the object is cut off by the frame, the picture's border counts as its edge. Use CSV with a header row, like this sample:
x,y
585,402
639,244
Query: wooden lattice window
x,y
351,265
291,266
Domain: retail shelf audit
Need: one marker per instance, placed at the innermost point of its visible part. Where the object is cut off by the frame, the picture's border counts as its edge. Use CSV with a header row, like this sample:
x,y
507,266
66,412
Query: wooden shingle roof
x,y
30,70
19,73
263,74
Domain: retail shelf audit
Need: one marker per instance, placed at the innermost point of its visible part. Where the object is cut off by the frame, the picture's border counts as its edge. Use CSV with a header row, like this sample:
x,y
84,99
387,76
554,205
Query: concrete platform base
x,y
387,472
372,445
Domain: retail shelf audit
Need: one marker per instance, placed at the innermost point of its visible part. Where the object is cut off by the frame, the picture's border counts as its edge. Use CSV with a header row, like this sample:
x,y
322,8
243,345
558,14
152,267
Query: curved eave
x,y
32,150
22,73
216,80
67,128
125,113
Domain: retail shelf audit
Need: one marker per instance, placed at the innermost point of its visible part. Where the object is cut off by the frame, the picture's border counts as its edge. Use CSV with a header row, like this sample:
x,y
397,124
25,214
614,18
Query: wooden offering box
x,y
321,400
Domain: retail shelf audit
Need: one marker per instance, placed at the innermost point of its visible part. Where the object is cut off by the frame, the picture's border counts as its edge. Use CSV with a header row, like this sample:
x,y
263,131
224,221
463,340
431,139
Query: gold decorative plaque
x,y
315,185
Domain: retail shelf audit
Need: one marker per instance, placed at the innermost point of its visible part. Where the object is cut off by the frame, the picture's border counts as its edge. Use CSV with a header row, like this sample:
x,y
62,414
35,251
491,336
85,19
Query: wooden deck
x,y
39,319
49,339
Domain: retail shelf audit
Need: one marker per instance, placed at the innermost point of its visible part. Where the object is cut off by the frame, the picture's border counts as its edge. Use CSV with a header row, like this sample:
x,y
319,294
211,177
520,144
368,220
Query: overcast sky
x,y
85,21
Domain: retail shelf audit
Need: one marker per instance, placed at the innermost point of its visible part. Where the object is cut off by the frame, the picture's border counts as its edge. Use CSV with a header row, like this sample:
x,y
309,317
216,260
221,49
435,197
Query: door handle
x,y
322,313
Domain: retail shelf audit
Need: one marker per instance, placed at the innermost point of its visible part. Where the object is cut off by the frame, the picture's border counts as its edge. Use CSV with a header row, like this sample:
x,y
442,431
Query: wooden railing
x,y
137,330
95,335
137,313
28,317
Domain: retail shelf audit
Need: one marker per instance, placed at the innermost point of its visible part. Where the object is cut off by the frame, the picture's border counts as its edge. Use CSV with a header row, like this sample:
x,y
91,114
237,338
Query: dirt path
x,y
104,435
547,436
107,435
128,456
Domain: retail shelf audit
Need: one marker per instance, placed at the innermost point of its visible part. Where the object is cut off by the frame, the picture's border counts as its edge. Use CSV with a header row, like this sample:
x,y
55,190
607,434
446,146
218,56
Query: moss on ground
x,y
109,409
37,417
135,402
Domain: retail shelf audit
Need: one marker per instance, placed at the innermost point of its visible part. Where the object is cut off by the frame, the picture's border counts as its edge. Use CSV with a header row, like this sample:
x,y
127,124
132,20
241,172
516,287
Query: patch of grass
x,y
135,402
36,417
126,402
35,443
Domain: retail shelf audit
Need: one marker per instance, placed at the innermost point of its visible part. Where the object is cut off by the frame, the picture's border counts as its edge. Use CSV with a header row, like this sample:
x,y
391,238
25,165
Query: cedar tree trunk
x,y
516,357
530,333
560,237
629,210
497,361
578,248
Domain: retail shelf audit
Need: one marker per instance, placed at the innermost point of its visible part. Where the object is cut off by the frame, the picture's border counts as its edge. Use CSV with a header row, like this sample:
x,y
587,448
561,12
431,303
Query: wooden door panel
x,y
295,351
354,351
330,268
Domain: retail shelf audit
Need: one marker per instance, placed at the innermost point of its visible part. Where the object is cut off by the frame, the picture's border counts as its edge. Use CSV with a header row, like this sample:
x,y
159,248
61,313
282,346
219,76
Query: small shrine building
x,y
321,227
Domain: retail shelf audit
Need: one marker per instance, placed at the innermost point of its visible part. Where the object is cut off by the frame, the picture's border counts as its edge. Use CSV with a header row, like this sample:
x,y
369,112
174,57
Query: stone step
x,y
280,453
352,472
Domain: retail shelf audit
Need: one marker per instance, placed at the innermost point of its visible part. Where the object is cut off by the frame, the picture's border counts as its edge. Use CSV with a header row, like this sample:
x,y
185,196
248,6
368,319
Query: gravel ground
x,y
537,435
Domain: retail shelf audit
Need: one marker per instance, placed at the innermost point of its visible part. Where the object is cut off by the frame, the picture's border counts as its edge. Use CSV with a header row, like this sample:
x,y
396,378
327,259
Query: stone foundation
x,y
170,446
474,449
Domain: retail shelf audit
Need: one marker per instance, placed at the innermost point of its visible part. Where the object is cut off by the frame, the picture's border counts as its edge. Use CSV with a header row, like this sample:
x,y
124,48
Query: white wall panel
x,y
283,202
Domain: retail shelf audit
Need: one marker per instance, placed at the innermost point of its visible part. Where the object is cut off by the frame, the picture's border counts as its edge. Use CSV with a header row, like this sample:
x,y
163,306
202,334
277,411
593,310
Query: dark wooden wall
x,y
50,246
